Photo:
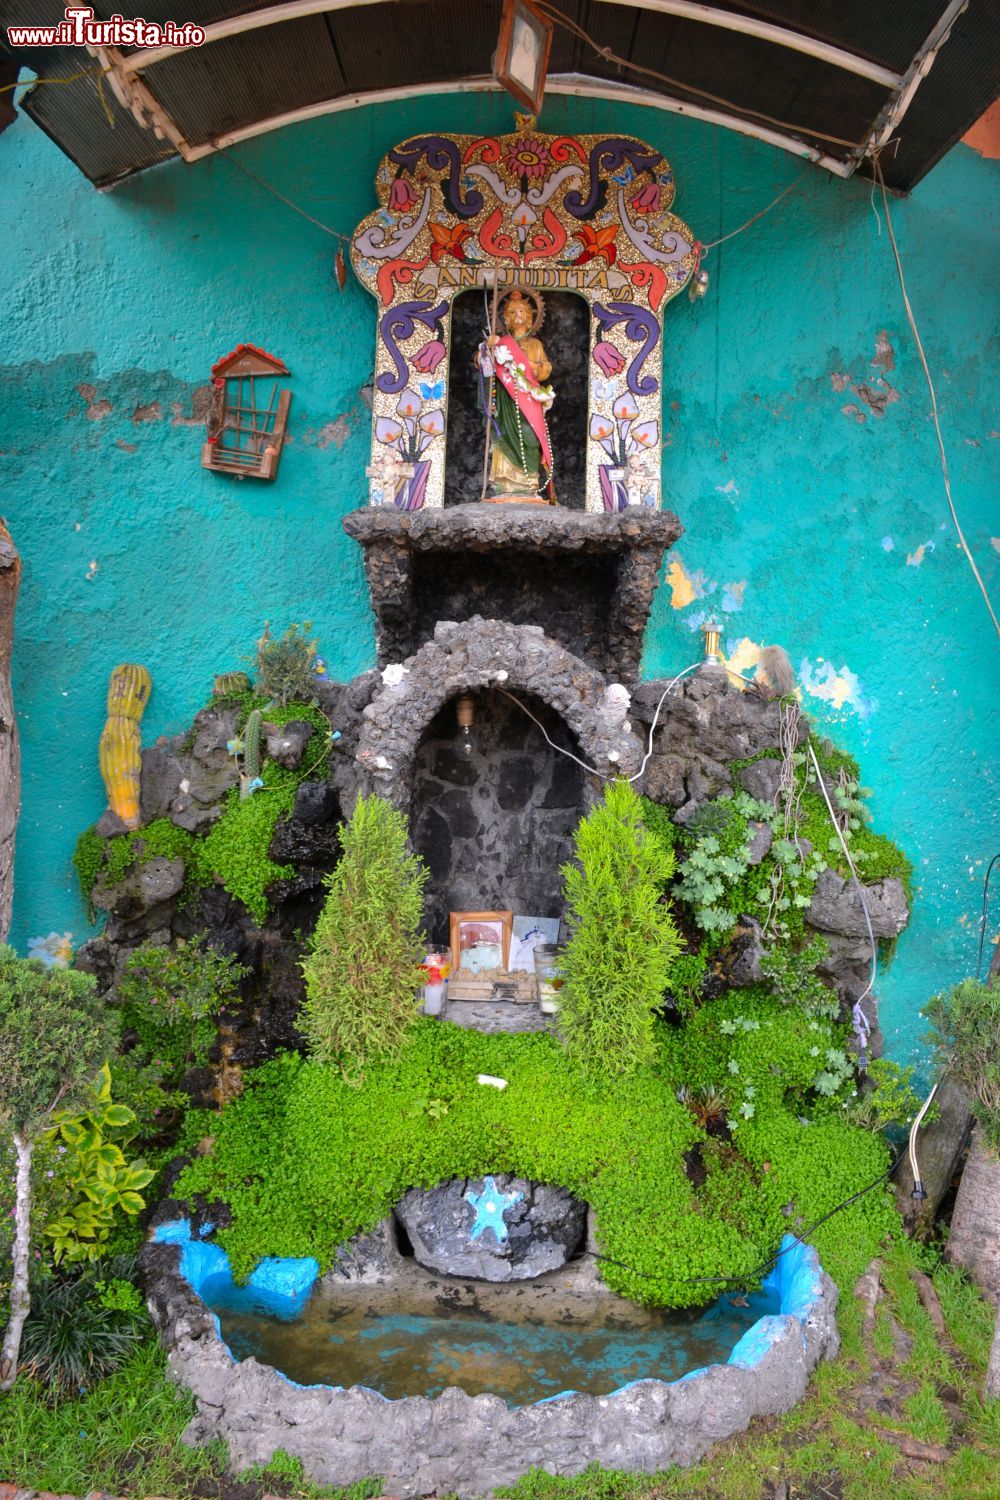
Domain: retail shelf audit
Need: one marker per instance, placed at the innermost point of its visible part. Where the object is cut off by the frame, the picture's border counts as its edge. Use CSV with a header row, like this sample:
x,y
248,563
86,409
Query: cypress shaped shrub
x,y
363,970
623,940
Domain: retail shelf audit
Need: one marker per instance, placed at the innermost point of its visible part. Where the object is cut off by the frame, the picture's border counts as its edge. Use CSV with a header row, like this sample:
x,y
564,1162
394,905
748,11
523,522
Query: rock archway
x,y
493,654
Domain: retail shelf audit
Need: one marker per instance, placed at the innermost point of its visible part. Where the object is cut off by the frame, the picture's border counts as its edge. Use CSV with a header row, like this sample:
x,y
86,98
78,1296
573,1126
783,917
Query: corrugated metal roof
x,y
241,82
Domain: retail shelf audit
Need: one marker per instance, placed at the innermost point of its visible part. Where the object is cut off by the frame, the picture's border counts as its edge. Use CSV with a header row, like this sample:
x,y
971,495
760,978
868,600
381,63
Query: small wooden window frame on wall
x,y
248,416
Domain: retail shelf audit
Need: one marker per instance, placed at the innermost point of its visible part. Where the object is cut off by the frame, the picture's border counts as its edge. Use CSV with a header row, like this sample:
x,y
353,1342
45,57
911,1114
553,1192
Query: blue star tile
x,y
489,1207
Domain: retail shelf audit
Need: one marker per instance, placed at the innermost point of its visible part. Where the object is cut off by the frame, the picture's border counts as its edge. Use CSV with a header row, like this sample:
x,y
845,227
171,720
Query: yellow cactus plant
x,y
128,691
120,749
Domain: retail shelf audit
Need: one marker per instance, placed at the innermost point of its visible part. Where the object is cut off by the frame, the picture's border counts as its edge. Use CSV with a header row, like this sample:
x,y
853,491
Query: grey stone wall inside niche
x,y
570,597
566,336
495,828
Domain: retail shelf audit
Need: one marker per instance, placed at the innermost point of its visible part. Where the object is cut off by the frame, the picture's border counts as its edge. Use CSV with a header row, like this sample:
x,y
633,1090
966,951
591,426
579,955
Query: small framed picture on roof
x,y
522,57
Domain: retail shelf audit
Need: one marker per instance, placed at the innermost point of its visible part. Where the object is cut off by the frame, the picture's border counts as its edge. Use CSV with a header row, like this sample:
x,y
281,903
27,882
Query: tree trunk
x,y
974,1241
20,1300
993,1369
10,750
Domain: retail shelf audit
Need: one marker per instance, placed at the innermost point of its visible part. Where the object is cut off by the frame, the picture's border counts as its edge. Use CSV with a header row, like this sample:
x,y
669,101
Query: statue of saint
x,y
514,370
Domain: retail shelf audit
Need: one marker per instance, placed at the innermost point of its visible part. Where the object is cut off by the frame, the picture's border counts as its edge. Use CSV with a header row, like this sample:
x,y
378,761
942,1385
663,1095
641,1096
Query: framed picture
x,y
480,940
522,59
528,932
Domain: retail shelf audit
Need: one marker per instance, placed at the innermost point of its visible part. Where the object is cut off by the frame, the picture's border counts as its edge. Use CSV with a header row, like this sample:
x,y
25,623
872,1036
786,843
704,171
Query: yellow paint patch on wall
x,y
914,559
682,590
744,657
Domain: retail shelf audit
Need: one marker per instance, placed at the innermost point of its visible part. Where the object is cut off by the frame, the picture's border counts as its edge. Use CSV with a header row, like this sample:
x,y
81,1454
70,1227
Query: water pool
x,y
407,1345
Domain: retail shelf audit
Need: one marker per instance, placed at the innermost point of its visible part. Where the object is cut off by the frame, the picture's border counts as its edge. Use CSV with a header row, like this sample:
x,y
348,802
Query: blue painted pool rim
x,y
281,1286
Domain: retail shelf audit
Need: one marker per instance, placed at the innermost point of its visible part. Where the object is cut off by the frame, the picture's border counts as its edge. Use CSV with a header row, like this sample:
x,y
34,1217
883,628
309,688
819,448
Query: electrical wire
x,y
30,83
918,1187
982,919
592,770
862,1029
269,187
773,204
933,394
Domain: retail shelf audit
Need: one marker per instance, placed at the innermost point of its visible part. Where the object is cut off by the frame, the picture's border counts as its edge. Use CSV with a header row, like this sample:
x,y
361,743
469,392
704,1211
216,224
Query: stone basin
x,y
467,1444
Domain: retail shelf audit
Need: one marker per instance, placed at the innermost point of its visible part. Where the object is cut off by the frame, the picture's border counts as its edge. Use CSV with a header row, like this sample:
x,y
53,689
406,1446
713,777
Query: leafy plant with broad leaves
x,y
54,1034
94,1170
622,937
363,968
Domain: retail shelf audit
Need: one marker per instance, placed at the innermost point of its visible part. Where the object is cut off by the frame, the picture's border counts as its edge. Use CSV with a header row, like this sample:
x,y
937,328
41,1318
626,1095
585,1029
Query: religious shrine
x,y
520,222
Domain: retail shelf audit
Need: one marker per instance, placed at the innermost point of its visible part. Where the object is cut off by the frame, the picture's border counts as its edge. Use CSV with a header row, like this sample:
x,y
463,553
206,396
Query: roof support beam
x,y
892,112
557,83
217,31
781,36
133,96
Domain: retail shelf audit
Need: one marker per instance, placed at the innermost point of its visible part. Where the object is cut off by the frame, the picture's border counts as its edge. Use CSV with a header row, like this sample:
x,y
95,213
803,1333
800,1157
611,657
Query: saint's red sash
x,y
527,405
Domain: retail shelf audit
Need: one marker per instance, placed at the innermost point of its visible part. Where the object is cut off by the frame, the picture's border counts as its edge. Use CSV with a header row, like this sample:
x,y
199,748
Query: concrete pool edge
x,y
466,1445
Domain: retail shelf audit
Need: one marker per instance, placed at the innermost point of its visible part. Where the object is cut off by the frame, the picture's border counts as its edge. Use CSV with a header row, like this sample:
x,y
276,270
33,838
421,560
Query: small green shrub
x,y
170,1000
622,941
362,973
88,856
966,1028
791,972
75,1334
658,820
687,975
285,665
890,1103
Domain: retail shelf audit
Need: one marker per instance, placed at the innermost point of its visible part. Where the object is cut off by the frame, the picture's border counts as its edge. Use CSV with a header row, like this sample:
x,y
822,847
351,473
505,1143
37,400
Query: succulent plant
x,y
251,744
120,749
229,684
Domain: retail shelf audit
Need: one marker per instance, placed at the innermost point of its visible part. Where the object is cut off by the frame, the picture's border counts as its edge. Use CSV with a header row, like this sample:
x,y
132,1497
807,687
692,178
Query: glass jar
x,y
548,977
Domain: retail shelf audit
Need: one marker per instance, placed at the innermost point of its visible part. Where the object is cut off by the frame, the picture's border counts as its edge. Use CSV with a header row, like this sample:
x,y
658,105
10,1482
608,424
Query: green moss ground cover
x,y
234,853
307,1157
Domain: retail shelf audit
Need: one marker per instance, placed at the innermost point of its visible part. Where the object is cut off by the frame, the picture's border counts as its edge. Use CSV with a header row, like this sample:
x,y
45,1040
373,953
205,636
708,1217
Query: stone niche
x,y
587,579
495,827
566,336
542,604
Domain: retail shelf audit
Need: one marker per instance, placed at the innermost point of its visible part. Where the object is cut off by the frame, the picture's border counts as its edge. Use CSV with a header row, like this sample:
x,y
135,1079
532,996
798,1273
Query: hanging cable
x,y
269,187
605,775
862,1030
918,1187
933,394
982,919
773,204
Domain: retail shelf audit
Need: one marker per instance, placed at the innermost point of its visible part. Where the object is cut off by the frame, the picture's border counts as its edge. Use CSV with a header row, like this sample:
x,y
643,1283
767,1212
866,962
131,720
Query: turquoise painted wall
x,y
801,460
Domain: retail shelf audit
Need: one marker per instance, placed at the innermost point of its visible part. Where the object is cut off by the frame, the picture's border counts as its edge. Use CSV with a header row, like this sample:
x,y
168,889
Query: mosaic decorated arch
x,y
588,214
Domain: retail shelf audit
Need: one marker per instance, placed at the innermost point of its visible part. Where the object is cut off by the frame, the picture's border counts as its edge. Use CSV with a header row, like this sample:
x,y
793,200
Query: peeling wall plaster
x,y
824,532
